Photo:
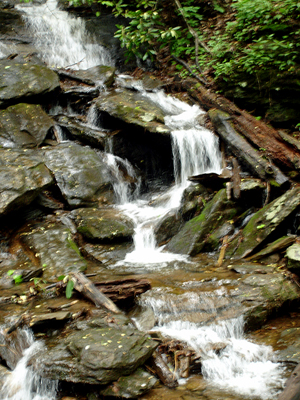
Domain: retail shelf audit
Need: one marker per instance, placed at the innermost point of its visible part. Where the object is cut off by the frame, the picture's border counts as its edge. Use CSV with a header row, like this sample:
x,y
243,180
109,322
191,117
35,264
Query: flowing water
x,y
23,383
62,40
242,367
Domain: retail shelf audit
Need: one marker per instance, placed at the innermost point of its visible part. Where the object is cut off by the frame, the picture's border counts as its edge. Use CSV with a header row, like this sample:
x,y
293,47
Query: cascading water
x,y
61,39
195,151
23,383
239,366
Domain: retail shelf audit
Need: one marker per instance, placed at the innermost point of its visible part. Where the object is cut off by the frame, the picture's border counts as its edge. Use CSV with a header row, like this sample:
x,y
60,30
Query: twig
x,y
185,65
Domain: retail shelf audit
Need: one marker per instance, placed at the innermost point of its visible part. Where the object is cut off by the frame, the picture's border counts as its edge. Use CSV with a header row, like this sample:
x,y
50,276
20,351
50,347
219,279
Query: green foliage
x,y
69,288
17,278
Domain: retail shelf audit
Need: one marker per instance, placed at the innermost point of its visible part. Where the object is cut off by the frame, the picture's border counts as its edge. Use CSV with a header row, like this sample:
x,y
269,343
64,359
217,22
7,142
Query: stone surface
x,y
19,81
23,175
23,125
263,223
133,108
80,173
54,249
191,238
96,355
95,76
103,224
293,256
132,386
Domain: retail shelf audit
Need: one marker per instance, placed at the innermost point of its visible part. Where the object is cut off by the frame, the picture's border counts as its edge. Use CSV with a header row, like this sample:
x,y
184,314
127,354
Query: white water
x,y
61,39
242,367
23,383
195,151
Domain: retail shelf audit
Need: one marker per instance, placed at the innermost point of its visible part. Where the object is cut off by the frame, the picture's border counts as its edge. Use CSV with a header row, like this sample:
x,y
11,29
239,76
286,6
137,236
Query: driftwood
x,y
276,147
292,388
123,289
83,285
239,146
159,366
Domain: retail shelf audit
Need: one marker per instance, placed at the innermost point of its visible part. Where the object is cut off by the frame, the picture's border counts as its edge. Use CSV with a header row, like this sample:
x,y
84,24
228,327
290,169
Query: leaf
x,y
18,279
260,226
61,277
69,289
10,272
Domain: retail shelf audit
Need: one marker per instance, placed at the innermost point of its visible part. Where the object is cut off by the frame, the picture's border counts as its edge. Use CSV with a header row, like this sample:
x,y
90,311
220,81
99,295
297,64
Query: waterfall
x,y
25,384
195,151
239,365
61,39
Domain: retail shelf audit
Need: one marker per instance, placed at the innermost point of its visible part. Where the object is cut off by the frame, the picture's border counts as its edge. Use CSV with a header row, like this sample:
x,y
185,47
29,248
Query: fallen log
x,y
243,150
83,285
292,386
162,370
123,289
260,134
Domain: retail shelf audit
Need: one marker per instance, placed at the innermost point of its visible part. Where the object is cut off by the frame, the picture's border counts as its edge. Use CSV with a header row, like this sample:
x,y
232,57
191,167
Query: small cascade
x,y
239,365
61,39
23,383
195,151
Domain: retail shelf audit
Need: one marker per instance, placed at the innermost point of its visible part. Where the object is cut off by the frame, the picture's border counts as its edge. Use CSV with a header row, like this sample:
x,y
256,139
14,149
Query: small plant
x,y
17,278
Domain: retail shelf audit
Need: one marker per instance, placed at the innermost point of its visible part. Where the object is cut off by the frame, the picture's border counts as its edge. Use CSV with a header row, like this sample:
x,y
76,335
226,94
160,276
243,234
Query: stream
x,y
185,292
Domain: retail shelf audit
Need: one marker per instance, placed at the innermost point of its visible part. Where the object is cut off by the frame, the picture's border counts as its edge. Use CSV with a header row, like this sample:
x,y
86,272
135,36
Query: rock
x,y
293,256
263,223
12,347
277,246
96,76
23,125
54,249
191,238
23,176
132,386
133,108
82,132
103,224
97,355
4,375
167,227
290,341
53,319
80,173
20,81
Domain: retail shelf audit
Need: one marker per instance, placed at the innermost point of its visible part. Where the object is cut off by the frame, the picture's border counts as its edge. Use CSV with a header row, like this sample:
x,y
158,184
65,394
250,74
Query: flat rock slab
x,y
80,173
24,125
133,108
103,224
95,76
23,175
54,249
18,81
263,223
97,355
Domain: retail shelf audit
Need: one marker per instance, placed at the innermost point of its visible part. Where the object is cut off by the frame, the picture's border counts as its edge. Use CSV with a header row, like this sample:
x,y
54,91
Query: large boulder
x,y
264,223
23,175
103,224
24,125
20,81
54,249
80,173
133,108
96,355
293,257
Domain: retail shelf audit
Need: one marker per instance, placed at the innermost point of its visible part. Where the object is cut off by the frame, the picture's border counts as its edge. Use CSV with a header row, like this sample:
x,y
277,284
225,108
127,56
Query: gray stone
x,y
103,224
293,256
24,125
80,173
23,175
18,81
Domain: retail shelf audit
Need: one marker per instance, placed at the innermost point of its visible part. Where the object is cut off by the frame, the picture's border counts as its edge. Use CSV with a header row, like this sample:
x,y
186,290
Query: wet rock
x,y
290,339
263,223
23,176
20,81
96,76
191,238
293,256
103,224
133,108
54,249
82,132
50,320
277,246
132,386
4,374
24,125
80,173
96,355
12,346
251,268
167,227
